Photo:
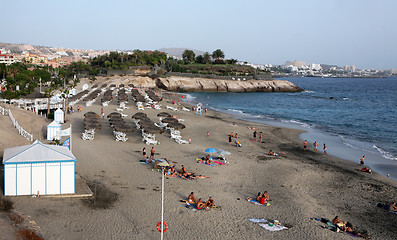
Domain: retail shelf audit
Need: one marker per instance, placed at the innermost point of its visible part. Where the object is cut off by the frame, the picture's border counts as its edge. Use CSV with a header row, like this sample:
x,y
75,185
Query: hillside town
x,y
60,57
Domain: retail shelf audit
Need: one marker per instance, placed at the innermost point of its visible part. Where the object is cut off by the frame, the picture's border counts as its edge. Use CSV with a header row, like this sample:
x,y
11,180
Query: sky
x,y
341,32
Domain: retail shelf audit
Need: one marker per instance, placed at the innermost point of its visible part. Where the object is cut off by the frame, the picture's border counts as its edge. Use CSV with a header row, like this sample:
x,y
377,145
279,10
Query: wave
x,y
367,147
384,153
308,91
305,125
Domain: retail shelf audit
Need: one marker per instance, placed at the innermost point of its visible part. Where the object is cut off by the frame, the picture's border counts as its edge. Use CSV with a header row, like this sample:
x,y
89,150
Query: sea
x,y
353,116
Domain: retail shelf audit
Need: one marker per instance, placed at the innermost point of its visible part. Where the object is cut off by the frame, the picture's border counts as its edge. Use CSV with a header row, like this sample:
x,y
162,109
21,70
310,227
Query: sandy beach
x,y
302,184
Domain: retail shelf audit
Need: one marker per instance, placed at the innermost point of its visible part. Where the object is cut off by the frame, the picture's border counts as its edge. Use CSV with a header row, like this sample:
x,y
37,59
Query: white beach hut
x,y
59,116
52,130
85,87
38,169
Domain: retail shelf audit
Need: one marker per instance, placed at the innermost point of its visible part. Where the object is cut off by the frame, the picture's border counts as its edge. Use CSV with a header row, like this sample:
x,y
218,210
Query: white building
x,y
6,59
315,66
38,169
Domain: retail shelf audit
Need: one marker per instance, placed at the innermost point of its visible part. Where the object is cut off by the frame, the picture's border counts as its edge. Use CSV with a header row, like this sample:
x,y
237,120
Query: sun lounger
x,y
185,109
119,109
275,226
120,136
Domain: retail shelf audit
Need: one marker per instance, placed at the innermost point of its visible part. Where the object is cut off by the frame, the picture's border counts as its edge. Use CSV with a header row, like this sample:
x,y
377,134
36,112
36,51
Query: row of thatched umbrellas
x,y
146,123
107,96
78,95
92,121
153,95
137,96
118,123
94,94
122,96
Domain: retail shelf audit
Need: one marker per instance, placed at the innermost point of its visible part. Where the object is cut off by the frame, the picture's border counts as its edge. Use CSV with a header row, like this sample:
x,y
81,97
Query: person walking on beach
x,y
315,144
304,145
325,149
230,140
254,135
260,137
152,154
362,161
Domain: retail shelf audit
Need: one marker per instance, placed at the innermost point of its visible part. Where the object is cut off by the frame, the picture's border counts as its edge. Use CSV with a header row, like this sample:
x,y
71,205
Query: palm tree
x,y
48,93
207,58
218,54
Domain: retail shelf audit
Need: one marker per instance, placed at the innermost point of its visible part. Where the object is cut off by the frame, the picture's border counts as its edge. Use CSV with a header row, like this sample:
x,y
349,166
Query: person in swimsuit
x,y
325,149
144,153
266,196
254,134
200,205
315,145
207,160
210,202
304,145
152,151
230,140
258,197
393,207
260,137
362,161
192,198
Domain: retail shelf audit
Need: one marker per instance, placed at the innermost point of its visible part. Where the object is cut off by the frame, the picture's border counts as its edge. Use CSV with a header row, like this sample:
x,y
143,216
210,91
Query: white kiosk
x,y
38,169
52,130
59,116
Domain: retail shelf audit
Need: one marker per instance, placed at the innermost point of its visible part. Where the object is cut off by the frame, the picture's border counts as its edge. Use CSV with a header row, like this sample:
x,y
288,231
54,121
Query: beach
x,y
302,184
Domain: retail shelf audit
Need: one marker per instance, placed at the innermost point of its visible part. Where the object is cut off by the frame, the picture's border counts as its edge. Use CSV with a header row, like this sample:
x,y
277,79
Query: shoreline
x,y
302,185
338,145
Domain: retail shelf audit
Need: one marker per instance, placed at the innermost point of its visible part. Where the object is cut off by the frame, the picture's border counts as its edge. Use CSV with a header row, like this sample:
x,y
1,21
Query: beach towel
x,y
220,163
258,220
272,227
257,203
201,161
213,161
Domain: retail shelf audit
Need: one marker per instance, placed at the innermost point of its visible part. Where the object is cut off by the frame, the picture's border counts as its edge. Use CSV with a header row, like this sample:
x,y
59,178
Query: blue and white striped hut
x,y
38,169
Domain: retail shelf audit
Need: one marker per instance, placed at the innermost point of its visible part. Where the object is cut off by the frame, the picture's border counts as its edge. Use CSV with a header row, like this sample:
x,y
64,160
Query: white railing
x,y
21,131
4,111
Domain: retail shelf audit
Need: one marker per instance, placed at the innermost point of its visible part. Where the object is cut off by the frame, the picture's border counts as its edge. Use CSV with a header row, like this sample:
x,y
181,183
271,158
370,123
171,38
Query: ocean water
x,y
353,116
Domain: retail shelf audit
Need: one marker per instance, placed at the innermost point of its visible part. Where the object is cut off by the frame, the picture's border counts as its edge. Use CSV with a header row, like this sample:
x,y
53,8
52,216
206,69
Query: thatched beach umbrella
x,y
92,126
114,114
164,114
139,115
153,130
176,125
123,128
169,120
90,113
131,85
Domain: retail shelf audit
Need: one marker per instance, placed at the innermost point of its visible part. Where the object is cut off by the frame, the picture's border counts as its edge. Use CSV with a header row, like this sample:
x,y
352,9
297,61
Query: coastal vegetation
x,y
22,78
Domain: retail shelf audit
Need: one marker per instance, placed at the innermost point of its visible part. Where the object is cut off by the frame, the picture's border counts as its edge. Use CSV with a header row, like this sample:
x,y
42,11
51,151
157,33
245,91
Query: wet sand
x,y
302,185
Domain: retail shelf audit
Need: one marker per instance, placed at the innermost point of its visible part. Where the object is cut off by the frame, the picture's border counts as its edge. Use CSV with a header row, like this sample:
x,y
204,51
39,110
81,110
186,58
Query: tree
x,y
218,54
188,56
48,93
206,58
199,59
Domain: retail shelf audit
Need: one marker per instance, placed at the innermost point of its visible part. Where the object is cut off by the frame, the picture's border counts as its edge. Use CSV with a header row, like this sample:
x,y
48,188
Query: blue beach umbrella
x,y
210,150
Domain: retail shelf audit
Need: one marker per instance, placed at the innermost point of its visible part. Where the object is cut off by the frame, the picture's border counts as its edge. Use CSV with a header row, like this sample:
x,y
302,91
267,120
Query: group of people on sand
x,y
254,134
151,158
346,227
236,141
200,204
261,198
182,173
315,147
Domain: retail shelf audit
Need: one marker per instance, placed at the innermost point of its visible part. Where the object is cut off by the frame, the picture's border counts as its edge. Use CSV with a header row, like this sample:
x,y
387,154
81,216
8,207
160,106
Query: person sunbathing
x,y
366,169
258,197
207,160
263,200
170,172
200,205
210,202
266,196
393,207
183,170
272,153
347,227
192,198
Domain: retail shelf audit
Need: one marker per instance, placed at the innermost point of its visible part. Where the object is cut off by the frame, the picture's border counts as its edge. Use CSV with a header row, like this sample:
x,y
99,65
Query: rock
x,y
184,84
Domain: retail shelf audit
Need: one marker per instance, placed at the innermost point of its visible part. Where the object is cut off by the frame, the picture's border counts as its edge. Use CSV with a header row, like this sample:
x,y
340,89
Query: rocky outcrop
x,y
182,84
